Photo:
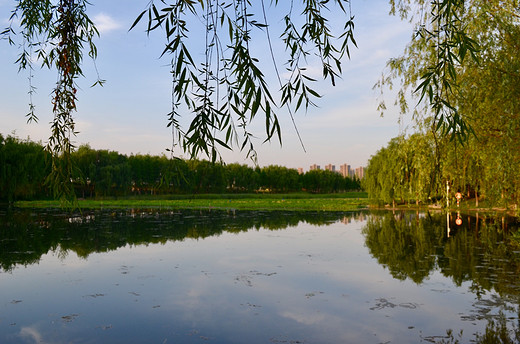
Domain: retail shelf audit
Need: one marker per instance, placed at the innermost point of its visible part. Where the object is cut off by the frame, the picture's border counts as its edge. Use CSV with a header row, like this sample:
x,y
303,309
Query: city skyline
x,y
344,169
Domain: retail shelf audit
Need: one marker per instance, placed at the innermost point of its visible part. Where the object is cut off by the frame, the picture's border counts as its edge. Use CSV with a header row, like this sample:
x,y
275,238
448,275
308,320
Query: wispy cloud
x,y
106,23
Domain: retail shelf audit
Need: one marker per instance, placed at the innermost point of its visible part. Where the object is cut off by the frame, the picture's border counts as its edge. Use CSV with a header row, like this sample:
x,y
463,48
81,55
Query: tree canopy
x,y
227,89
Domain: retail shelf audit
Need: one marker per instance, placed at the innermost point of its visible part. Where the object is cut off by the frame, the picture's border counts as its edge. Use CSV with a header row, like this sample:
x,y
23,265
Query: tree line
x,y
25,167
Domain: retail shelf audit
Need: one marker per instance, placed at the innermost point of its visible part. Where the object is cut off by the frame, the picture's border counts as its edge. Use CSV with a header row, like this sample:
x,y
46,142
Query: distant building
x,y
360,172
345,170
300,170
330,167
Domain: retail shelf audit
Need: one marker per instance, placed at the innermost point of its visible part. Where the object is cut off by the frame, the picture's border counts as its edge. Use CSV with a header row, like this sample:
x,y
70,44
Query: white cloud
x,y
106,23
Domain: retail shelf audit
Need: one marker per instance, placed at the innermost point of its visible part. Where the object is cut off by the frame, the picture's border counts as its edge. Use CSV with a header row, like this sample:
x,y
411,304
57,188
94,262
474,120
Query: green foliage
x,y
25,166
54,34
23,169
226,89
449,44
432,62
417,168
318,181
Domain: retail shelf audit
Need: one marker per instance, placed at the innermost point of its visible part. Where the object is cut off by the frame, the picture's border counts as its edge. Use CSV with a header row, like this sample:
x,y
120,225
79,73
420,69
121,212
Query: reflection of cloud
x,y
31,335
105,23
304,318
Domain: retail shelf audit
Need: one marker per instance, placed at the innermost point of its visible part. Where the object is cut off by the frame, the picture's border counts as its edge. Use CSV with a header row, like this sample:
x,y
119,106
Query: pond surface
x,y
251,277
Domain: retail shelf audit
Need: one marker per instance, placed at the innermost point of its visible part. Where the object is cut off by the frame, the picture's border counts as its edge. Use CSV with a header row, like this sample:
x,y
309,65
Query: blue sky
x,y
128,114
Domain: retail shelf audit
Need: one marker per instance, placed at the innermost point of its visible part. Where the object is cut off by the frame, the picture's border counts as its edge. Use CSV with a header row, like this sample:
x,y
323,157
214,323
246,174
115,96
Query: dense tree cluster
x,y
418,169
484,93
24,169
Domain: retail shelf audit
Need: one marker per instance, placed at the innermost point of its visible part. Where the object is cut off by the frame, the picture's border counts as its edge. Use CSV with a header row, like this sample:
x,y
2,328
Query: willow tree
x,y
226,89
489,98
384,174
431,62
478,95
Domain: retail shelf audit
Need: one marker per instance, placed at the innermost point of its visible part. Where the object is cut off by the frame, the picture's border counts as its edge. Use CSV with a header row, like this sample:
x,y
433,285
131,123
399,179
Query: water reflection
x,y
26,235
258,277
484,250
481,250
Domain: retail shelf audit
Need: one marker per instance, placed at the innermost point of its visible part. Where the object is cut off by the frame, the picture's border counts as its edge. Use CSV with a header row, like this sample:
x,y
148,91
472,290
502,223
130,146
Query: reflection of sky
x,y
307,283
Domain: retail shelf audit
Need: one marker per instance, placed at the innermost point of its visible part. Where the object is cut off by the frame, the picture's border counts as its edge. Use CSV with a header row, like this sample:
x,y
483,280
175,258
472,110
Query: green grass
x,y
297,201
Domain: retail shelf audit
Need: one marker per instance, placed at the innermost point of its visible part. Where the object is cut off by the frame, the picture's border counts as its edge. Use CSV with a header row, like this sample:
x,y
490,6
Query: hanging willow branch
x,y
230,69
432,62
55,34
439,82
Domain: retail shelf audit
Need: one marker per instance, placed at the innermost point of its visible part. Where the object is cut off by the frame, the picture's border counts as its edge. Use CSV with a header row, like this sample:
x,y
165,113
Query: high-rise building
x,y
300,170
360,172
330,167
344,170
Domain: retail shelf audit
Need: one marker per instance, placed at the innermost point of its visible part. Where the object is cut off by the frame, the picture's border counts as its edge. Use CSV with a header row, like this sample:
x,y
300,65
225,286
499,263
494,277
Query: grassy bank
x,y
298,201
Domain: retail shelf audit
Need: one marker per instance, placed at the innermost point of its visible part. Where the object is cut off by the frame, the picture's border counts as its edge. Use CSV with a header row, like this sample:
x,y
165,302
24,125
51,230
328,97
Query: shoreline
x,y
264,202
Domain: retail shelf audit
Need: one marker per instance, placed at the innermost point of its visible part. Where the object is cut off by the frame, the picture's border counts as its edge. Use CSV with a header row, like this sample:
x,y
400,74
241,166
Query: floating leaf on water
x,y
69,318
94,295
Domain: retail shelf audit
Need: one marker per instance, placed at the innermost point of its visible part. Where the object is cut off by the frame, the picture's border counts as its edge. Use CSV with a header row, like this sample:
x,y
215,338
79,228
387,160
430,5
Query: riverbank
x,y
298,201
464,206
348,201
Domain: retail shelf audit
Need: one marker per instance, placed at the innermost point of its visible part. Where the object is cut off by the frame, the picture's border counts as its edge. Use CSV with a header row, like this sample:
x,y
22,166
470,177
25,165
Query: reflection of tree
x,y
488,256
482,250
25,236
498,331
404,244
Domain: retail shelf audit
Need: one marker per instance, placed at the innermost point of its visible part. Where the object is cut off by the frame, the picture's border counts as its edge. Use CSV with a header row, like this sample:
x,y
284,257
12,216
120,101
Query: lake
x,y
162,276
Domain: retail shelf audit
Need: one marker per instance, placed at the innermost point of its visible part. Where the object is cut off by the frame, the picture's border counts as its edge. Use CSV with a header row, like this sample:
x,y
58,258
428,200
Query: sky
x,y
128,114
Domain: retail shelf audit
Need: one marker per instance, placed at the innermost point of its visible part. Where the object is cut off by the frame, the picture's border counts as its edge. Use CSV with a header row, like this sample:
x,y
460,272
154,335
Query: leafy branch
x,y
439,82
55,35
230,73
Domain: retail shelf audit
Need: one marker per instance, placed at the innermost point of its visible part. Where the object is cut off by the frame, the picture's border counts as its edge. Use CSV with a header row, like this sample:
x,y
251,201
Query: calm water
x,y
253,277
